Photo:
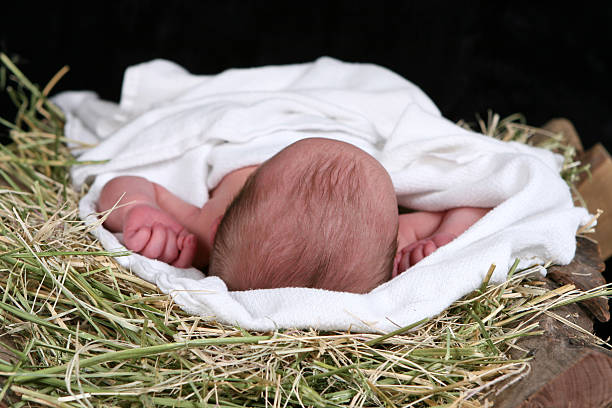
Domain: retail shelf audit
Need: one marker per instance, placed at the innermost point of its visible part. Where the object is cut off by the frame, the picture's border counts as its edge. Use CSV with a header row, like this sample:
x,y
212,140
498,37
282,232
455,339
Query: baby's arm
x,y
421,233
151,218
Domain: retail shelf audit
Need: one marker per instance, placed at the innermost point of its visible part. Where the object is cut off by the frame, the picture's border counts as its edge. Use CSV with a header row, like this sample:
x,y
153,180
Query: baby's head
x,y
320,213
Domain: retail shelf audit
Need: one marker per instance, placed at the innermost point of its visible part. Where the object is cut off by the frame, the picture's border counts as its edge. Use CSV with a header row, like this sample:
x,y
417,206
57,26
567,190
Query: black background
x,y
543,60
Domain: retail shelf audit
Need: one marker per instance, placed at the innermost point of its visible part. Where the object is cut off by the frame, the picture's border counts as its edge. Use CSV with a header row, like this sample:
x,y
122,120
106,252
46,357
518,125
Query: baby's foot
x,y
415,252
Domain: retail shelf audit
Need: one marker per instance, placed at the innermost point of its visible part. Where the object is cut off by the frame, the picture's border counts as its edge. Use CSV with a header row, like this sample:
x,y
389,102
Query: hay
x,y
81,331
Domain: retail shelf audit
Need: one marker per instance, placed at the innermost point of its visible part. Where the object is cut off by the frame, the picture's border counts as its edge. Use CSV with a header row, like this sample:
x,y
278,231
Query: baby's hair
x,y
315,224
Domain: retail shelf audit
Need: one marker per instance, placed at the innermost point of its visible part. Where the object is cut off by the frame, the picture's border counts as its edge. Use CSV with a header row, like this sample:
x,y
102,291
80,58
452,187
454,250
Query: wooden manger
x,y
567,370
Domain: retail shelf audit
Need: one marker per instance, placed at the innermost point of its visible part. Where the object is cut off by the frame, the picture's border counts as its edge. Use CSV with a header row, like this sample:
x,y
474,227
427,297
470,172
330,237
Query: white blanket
x,y
185,132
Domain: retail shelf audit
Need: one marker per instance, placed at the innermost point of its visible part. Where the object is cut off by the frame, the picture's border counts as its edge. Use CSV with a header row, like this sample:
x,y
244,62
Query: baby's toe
x,y
429,248
416,255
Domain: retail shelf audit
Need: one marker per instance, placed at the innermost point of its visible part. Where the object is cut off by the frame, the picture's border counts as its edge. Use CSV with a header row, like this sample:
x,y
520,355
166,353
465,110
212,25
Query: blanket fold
x,y
187,131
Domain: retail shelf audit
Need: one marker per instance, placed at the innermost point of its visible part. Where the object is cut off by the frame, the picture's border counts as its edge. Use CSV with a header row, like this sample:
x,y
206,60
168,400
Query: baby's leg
x,y
421,233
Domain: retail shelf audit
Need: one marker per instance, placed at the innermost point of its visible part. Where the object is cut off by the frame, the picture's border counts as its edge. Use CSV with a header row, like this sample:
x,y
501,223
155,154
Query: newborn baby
x,y
321,213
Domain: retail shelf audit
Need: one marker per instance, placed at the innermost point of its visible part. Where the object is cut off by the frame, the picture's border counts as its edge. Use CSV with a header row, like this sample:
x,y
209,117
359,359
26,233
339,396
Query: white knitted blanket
x,y
186,131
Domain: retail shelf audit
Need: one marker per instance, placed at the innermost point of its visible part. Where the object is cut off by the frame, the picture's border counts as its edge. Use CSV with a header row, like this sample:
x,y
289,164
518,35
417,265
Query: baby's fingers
x,y
157,243
136,239
187,247
171,250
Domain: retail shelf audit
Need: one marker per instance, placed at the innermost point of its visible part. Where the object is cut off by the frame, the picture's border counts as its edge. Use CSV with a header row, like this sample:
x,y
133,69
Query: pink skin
x,y
415,252
154,234
421,233
159,225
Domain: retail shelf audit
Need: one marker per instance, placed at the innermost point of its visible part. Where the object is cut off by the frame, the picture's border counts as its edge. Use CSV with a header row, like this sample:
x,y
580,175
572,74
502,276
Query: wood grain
x,y
567,370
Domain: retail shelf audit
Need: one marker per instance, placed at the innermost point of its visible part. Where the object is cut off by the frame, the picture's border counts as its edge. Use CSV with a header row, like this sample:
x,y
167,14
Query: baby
x,y
320,213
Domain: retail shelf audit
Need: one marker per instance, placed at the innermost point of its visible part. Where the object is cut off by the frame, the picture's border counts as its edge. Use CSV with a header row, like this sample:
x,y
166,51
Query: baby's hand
x,y
415,252
155,234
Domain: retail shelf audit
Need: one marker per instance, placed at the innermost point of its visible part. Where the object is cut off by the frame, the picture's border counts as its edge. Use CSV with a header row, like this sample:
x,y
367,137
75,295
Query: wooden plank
x,y
567,370
585,272
597,192
567,129
580,382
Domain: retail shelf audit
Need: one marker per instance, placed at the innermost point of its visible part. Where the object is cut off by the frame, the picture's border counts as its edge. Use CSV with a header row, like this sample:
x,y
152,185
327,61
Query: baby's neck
x,y
231,184
210,215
